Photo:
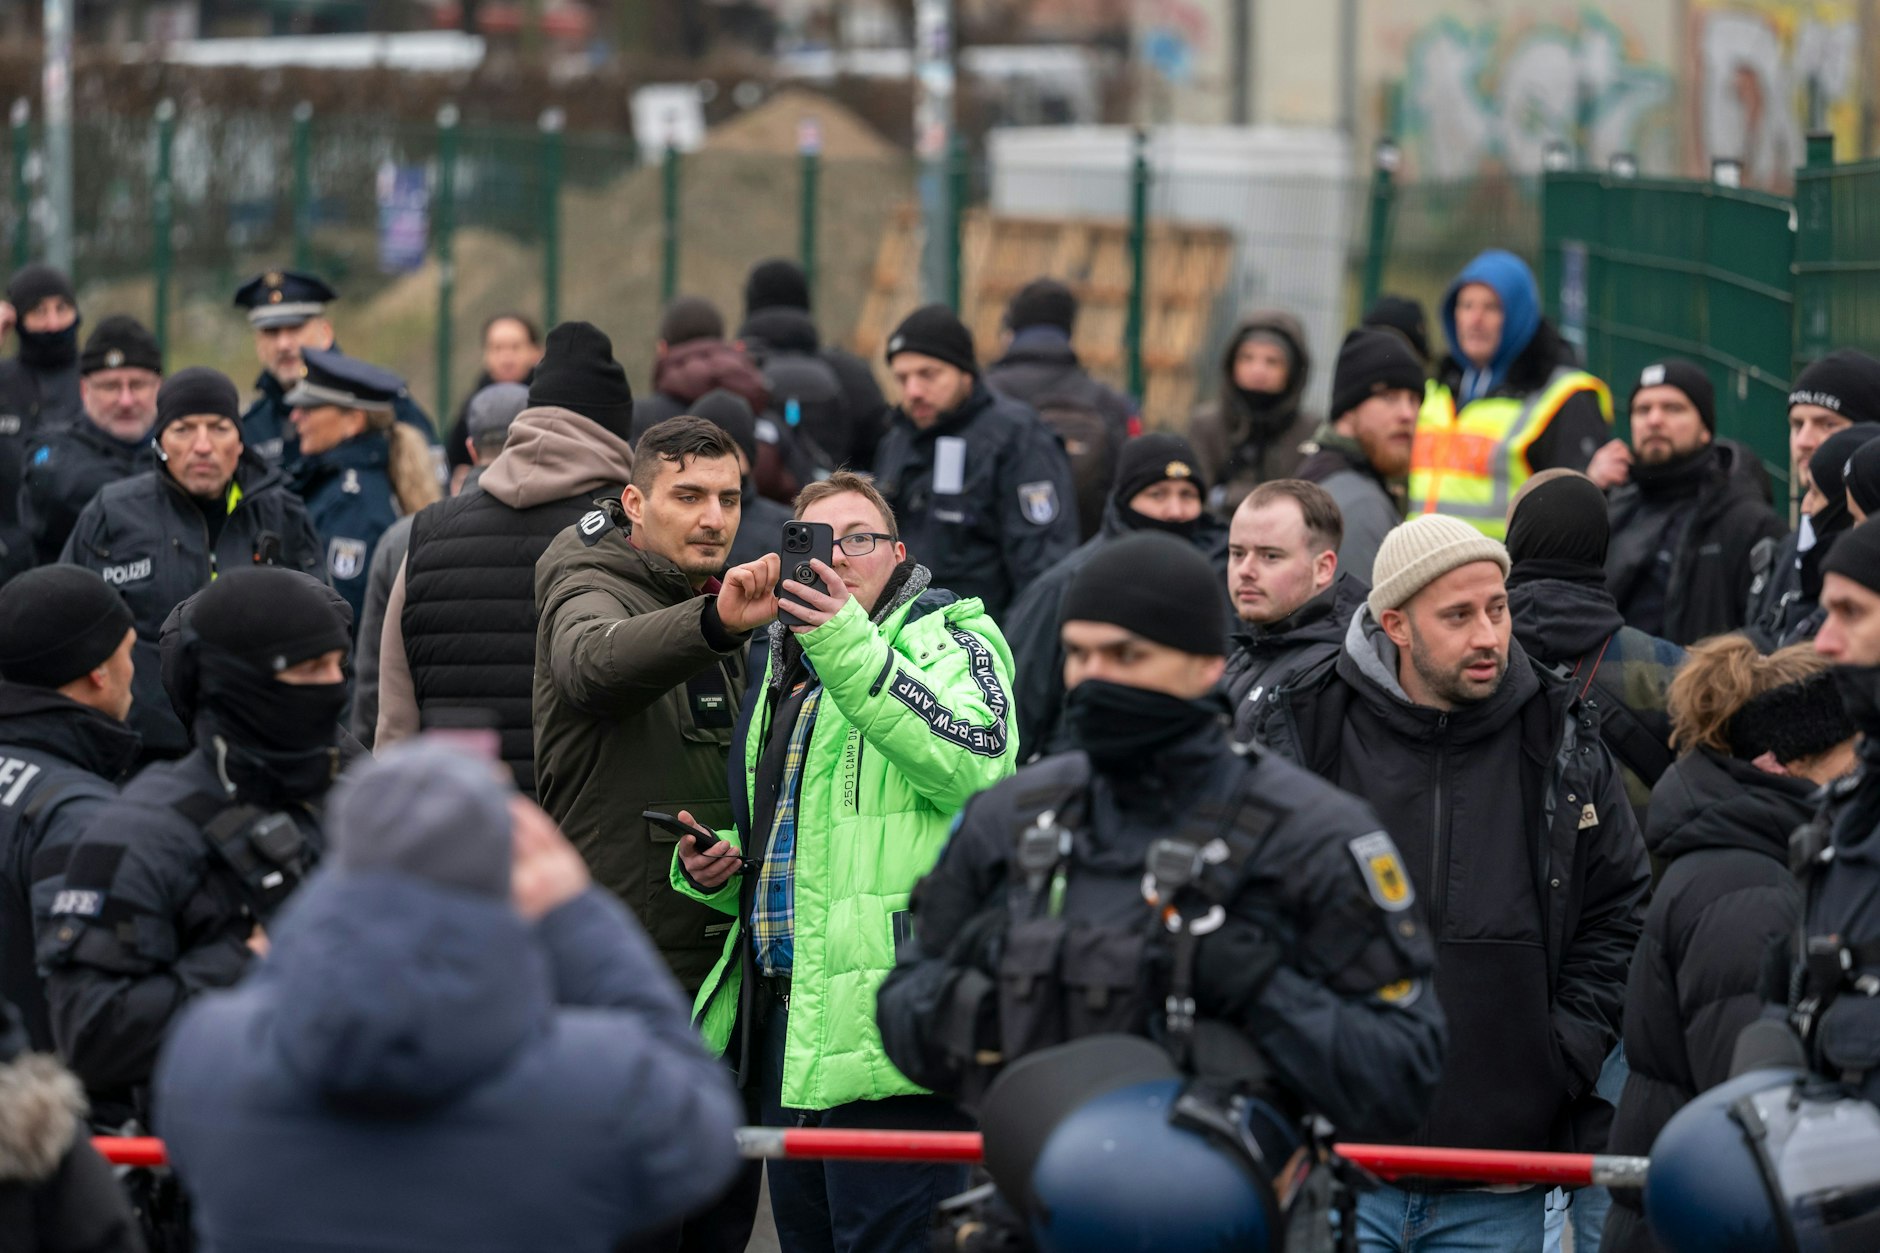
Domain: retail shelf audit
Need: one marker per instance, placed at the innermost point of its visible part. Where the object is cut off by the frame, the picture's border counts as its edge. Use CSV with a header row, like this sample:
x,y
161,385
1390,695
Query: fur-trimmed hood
x,y
42,1108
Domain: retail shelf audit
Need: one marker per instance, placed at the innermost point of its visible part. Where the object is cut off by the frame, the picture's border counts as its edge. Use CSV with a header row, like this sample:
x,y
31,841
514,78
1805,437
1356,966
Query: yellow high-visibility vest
x,y
1470,464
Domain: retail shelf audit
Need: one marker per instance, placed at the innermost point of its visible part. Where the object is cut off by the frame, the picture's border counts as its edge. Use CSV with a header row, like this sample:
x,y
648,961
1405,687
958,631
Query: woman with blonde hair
x,y
360,469
1758,736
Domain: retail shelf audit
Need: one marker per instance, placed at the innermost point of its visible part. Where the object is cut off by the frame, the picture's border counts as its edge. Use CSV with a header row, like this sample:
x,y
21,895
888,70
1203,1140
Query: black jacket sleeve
x,y
1031,631
1034,464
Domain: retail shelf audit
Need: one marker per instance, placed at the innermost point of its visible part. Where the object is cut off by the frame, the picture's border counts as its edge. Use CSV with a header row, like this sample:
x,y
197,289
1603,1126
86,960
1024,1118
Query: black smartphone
x,y
802,542
705,839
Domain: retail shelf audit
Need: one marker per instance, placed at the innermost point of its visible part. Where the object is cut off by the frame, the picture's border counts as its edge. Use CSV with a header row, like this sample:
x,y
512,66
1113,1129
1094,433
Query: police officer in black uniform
x,y
208,508
119,373
288,313
1157,881
982,487
359,471
38,388
170,889
1835,994
65,656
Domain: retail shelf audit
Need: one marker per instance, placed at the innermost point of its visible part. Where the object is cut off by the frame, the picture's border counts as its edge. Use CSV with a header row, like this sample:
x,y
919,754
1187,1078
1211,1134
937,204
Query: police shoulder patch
x,y
1403,993
1039,502
346,558
1383,871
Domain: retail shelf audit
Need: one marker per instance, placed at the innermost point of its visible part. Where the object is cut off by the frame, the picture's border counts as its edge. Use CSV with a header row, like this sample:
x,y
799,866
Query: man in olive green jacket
x,y
639,672
878,717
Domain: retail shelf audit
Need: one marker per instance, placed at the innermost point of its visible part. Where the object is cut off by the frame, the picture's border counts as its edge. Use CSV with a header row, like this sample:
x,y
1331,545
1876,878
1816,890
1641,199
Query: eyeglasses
x,y
862,543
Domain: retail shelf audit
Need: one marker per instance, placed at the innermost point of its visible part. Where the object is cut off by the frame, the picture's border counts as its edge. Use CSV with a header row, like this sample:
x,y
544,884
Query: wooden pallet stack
x,y
1188,266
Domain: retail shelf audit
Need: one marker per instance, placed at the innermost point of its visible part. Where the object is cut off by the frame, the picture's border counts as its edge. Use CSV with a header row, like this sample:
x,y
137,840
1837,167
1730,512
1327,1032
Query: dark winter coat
x,y
1370,504
1036,367
1346,1022
1534,892
1843,900
1573,628
1720,827
691,369
1241,449
1679,563
145,917
1779,611
419,1068
865,412
1577,431
64,471
1267,659
1014,515
637,688
149,540
34,404
348,493
60,763
1031,628
59,1195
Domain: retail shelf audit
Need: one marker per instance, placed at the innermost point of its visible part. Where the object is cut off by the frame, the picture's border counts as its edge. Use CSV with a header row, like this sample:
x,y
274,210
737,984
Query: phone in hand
x,y
803,542
704,839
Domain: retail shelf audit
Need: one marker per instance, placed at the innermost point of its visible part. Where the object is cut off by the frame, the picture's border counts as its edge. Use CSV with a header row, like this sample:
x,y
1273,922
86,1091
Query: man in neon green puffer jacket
x,y
869,732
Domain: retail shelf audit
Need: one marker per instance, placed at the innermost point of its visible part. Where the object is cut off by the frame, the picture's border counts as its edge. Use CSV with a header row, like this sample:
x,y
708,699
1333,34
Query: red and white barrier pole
x,y
1387,1160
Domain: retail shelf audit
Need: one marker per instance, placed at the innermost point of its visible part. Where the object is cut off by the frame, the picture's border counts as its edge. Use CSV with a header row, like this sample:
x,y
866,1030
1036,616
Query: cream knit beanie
x,y
1423,550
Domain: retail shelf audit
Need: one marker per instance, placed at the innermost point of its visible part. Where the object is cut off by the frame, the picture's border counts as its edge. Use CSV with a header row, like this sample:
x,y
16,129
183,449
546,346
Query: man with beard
x,y
1362,455
1840,391
1039,926
1291,594
171,888
1687,509
1490,776
1252,431
118,376
1566,619
1157,488
981,486
39,391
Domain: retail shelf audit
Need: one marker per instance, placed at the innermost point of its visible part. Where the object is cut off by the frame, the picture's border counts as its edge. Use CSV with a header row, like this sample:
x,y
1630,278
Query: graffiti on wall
x,y
1753,61
1480,95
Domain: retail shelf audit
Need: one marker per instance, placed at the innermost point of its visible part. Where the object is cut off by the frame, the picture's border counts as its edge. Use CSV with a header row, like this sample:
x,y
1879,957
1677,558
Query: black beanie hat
x,y
1689,378
732,414
57,623
33,283
934,331
1404,316
1827,468
269,618
578,372
1563,519
1371,361
1042,302
1846,381
1862,478
1154,585
689,318
1856,555
1794,722
1150,459
119,341
195,390
776,283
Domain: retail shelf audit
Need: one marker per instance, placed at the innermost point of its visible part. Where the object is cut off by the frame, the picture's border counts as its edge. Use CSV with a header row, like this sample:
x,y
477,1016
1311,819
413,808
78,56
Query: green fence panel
x,y
1837,258
1637,270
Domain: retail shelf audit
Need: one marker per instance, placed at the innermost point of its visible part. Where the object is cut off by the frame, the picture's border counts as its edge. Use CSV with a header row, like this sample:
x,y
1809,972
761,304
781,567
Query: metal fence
x,y
428,230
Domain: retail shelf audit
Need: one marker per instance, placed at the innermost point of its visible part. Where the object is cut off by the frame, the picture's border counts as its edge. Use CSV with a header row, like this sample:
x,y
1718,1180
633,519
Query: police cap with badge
x,y
333,378
283,298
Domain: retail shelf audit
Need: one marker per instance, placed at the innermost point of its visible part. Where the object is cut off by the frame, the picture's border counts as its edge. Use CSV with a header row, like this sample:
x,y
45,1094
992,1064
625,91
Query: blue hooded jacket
x,y
415,1067
1513,283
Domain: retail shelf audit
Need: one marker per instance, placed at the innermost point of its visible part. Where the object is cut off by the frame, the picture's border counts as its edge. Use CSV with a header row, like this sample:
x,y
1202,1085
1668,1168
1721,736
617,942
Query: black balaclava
x,y
278,739
1148,460
1827,469
1856,556
43,350
1143,583
1560,530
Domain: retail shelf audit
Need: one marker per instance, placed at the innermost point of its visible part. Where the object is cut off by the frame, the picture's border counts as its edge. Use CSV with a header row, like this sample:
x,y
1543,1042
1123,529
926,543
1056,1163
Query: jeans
x,y
1588,1207
1391,1220
851,1207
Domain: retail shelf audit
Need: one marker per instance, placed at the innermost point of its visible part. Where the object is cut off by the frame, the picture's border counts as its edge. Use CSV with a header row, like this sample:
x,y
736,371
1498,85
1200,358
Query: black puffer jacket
x,y
1706,518
1721,827
1267,659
